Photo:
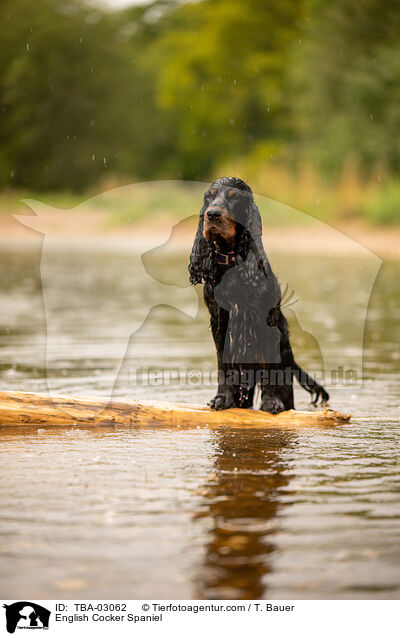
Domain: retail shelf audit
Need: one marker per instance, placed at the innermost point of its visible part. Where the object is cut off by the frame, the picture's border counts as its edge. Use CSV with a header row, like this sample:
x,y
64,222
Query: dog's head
x,y
226,205
229,222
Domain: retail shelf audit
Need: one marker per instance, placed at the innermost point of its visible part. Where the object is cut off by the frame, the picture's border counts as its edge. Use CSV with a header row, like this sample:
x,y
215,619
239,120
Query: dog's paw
x,y
221,401
318,393
272,405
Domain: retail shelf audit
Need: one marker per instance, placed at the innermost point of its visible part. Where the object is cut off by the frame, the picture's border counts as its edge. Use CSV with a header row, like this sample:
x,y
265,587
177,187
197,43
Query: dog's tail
x,y
309,384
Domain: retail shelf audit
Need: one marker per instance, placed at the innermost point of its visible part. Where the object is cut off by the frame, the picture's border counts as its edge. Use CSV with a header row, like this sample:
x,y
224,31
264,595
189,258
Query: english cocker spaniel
x,y
243,297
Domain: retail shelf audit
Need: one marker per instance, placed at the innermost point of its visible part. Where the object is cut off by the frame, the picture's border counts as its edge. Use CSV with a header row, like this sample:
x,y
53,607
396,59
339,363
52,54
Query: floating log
x,y
32,409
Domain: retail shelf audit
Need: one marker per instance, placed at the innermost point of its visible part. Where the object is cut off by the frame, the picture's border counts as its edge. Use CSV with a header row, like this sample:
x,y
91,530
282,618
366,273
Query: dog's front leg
x,y
225,397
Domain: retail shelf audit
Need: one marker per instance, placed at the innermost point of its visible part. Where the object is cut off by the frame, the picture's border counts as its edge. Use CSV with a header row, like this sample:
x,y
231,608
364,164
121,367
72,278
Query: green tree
x,y
346,105
221,75
67,94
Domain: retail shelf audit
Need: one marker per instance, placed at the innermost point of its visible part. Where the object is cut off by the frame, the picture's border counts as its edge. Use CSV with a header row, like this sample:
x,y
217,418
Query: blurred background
x,y
114,116
301,98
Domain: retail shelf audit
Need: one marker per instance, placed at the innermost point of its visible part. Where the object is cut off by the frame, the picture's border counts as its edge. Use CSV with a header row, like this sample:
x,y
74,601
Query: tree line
x,y
175,90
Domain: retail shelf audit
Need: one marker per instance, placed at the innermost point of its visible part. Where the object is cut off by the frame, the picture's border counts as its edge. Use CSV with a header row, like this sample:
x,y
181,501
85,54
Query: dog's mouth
x,y
216,233
219,227
213,231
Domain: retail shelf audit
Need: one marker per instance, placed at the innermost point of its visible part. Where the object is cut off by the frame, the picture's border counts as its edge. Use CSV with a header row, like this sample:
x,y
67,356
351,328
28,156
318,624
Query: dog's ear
x,y
201,255
252,251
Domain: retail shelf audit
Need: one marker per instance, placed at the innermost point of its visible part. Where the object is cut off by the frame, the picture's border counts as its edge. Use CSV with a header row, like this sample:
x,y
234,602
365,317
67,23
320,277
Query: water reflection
x,y
196,513
243,500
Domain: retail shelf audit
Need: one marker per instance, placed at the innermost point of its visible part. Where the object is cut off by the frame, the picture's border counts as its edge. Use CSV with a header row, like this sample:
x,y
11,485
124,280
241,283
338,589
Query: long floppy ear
x,y
200,265
251,249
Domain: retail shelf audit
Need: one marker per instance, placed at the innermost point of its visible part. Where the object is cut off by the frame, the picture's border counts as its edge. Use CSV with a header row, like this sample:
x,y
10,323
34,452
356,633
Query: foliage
x,y
65,82
179,90
347,84
221,74
383,208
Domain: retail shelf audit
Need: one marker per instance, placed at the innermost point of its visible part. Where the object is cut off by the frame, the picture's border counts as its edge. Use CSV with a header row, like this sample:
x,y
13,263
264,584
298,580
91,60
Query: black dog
x,y
243,297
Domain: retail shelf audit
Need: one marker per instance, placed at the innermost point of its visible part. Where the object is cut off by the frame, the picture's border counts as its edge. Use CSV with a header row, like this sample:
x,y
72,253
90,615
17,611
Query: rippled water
x,y
164,513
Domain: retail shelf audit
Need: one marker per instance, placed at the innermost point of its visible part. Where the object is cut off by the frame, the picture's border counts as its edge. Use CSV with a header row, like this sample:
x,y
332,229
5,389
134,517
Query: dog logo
x,y
26,615
165,286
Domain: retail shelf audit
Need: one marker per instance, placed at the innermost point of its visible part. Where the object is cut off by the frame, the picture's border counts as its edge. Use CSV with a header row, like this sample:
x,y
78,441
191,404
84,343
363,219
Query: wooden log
x,y
32,409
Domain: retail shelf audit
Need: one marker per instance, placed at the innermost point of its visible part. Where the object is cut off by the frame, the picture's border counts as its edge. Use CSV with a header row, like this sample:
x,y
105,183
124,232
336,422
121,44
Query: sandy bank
x,y
94,228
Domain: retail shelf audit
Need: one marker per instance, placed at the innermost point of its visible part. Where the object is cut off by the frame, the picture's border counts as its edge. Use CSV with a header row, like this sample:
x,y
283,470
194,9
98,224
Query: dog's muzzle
x,y
214,212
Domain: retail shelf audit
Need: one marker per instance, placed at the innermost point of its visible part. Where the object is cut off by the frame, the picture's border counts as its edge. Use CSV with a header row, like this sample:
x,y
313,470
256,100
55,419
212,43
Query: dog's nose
x,y
214,213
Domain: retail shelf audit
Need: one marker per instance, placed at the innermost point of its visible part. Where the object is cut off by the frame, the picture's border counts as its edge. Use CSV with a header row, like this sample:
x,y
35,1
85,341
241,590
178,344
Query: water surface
x,y
194,513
